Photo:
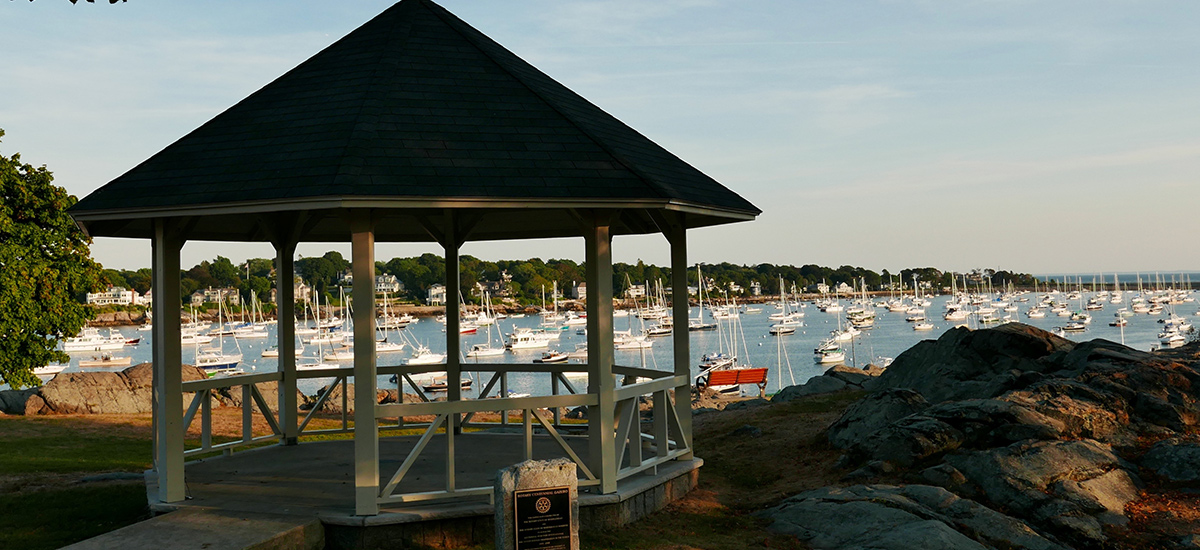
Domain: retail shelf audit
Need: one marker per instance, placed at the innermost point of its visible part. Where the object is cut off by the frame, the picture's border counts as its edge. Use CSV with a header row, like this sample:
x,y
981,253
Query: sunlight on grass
x,y
41,445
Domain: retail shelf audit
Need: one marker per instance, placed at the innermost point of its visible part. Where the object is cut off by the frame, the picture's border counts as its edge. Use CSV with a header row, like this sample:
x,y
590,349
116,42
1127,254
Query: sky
x,y
1041,137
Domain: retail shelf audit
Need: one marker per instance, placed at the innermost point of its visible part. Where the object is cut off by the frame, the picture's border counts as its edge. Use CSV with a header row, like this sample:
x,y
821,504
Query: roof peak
x,y
415,104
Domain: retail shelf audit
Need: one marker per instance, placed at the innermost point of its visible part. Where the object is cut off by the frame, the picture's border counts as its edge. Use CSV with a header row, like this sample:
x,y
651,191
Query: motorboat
x,y
552,356
49,370
441,384
484,350
91,340
105,360
423,356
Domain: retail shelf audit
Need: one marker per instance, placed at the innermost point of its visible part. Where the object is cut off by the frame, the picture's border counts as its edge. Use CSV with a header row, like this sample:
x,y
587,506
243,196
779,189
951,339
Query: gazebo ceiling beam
x,y
636,220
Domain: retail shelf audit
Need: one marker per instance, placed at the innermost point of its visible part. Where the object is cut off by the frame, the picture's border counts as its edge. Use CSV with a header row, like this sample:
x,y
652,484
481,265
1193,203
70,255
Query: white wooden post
x,y
366,436
453,315
677,236
601,417
285,302
168,362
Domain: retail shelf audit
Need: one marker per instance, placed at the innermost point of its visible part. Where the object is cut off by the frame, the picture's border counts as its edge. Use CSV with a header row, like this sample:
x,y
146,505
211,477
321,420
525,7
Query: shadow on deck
x,y
316,480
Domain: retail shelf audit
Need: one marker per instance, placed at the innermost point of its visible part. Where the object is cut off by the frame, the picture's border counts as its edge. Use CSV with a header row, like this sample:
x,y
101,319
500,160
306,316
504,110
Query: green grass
x,y
52,445
58,517
44,451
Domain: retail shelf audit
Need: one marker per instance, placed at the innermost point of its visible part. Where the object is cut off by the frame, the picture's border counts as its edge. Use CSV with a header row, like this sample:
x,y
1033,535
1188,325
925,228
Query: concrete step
x,y
213,530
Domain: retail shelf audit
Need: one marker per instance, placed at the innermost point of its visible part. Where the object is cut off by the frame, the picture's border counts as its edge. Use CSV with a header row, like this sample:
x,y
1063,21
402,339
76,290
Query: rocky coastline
x,y
1009,438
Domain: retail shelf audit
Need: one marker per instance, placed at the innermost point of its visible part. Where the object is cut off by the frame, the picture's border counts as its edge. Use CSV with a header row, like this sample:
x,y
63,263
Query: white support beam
x,y
366,436
285,298
168,363
601,417
453,320
677,236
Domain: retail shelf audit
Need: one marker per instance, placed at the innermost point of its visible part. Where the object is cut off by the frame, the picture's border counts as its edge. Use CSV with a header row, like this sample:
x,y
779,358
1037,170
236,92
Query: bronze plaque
x,y
543,518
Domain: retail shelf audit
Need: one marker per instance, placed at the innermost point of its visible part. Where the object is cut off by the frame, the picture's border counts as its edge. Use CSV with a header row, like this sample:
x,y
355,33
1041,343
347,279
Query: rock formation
x,y
125,392
1047,430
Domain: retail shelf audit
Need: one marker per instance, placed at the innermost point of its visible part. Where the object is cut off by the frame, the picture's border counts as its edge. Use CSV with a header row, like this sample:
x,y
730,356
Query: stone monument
x,y
537,506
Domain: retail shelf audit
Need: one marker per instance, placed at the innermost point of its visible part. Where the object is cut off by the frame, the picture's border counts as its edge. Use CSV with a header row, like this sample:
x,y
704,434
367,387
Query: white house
x,y
214,295
580,291
387,283
635,291
114,295
300,291
437,295
755,288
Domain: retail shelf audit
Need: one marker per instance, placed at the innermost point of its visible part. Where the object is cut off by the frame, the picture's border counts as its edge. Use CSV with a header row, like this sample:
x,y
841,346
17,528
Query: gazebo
x,y
418,128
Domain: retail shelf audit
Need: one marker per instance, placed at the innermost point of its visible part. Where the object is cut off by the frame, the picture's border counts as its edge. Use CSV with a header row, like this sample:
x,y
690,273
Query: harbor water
x,y
789,358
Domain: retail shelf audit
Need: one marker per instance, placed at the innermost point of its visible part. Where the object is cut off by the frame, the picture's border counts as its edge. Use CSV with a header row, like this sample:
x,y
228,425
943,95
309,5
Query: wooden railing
x,y
637,450
252,399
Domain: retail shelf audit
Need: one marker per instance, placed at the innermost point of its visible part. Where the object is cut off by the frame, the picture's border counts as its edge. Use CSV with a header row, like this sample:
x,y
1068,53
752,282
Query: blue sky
x,y
1033,136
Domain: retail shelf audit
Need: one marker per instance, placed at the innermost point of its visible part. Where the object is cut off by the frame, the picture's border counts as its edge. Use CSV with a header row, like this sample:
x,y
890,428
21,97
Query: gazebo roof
x,y
413,112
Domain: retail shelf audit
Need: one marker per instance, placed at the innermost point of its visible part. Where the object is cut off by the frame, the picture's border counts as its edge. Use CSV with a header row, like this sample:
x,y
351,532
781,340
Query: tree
x,y
226,274
44,266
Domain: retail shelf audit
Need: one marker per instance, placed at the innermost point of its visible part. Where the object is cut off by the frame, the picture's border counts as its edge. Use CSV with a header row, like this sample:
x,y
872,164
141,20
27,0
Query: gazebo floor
x,y
316,479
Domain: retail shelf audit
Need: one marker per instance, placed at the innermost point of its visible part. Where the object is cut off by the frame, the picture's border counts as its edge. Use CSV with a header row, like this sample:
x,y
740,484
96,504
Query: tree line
x,y
524,281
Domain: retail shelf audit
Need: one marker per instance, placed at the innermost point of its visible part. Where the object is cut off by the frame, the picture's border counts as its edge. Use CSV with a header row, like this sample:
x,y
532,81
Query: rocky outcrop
x,y
118,319
854,378
125,392
13,401
872,413
1175,461
916,517
333,404
966,364
1074,486
1033,424
836,378
815,385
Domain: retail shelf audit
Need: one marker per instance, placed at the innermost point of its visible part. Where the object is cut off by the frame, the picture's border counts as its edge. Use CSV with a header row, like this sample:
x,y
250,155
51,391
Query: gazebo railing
x,y
665,438
445,410
341,377
251,399
640,445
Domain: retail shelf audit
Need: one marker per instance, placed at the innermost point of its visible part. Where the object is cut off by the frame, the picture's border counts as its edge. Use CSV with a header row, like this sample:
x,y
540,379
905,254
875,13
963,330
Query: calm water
x,y
789,358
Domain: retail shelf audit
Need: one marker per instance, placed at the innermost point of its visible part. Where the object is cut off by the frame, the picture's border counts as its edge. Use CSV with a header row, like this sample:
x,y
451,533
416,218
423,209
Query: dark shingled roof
x,y
413,109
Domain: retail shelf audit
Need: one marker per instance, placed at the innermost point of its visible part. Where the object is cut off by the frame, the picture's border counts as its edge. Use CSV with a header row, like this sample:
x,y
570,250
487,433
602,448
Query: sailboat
x,y
785,321
257,327
486,349
829,351
722,360
215,358
698,323
385,344
304,329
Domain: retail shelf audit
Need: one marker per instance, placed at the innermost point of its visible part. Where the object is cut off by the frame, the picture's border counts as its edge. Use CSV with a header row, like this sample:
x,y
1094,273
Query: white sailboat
x,y
215,358
486,349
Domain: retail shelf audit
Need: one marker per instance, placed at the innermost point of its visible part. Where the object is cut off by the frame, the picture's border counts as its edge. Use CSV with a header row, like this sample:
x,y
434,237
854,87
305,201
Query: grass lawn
x,y
67,444
52,518
42,502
